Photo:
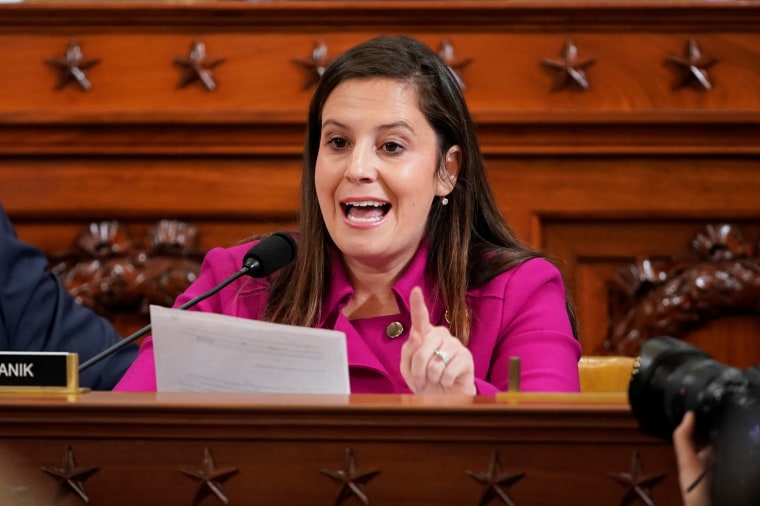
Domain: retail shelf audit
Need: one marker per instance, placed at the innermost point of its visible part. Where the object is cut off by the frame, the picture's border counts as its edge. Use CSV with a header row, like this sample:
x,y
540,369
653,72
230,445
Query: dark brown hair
x,y
469,240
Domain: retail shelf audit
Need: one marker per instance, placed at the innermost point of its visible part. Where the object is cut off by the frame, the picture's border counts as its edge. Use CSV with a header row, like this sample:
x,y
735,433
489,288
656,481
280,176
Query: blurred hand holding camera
x,y
692,464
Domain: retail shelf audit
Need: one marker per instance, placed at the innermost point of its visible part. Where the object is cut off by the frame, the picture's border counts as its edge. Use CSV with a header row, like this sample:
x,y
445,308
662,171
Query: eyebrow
x,y
389,126
396,124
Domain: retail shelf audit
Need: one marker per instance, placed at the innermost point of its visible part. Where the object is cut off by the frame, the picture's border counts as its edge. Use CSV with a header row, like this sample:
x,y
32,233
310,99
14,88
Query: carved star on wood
x,y
456,64
496,481
73,67
693,67
639,485
197,67
570,67
316,65
210,477
71,476
351,480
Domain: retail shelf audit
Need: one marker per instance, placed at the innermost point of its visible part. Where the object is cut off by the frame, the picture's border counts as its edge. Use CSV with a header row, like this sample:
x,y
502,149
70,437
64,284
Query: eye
x,y
392,147
337,142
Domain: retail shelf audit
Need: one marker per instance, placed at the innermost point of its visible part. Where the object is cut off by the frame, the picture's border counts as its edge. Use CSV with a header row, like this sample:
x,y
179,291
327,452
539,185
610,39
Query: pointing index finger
x,y
419,311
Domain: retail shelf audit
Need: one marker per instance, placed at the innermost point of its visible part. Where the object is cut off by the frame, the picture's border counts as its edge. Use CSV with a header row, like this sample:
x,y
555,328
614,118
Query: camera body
x,y
671,378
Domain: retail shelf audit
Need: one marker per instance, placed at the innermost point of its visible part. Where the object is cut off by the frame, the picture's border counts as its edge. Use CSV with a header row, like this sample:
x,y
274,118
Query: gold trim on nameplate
x,y
72,382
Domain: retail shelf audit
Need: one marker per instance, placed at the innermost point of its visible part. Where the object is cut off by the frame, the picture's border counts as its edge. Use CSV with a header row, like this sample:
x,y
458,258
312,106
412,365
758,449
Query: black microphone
x,y
264,258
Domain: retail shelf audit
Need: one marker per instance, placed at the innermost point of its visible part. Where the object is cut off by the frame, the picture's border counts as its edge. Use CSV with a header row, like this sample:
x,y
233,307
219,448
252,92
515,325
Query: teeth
x,y
364,220
366,203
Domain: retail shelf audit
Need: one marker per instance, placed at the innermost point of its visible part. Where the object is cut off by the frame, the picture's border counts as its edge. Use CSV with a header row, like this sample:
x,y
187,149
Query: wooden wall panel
x,y
631,168
571,448
260,79
592,251
532,190
194,187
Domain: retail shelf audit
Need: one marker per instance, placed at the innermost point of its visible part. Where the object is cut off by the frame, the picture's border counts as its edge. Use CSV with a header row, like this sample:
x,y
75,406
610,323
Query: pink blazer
x,y
519,313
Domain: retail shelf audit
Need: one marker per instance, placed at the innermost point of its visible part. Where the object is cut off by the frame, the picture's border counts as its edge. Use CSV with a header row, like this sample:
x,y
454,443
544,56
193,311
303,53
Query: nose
x,y
362,165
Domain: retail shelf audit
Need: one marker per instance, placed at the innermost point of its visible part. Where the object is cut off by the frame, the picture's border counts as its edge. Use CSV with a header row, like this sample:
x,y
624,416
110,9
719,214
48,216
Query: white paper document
x,y
207,352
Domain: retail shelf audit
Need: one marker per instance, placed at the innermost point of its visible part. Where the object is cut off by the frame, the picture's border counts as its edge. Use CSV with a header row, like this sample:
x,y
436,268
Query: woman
x,y
401,244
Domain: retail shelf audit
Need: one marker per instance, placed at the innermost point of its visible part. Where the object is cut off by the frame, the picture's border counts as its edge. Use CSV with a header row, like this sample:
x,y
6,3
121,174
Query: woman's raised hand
x,y
432,360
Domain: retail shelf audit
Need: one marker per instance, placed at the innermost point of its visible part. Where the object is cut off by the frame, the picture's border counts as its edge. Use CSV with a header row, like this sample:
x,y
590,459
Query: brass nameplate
x,y
39,372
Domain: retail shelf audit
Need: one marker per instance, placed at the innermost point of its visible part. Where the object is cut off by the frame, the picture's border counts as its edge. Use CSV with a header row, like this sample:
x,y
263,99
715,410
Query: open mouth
x,y
367,211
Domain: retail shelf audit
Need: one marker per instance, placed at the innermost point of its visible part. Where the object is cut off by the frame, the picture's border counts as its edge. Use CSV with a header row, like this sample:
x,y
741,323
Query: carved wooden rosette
x,y
111,273
656,297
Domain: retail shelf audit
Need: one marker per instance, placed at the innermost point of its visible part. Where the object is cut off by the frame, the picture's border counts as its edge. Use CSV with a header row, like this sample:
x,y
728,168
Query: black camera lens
x,y
736,469
671,378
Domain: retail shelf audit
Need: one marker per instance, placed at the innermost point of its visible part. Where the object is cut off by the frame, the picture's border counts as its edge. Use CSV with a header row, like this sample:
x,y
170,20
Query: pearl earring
x,y
444,201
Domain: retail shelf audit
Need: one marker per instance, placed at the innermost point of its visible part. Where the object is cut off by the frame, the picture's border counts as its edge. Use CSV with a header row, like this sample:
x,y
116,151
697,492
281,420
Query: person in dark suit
x,y
38,314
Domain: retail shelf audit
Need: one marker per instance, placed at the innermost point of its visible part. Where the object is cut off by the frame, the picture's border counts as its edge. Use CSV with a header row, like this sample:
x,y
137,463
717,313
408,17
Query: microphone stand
x,y
250,265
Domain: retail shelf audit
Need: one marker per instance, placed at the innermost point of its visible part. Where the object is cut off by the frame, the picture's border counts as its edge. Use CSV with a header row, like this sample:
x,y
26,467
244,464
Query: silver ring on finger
x,y
445,358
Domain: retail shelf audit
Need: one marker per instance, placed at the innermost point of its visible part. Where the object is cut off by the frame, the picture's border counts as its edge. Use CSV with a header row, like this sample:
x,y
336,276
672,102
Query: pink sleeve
x,y
537,329
141,376
482,387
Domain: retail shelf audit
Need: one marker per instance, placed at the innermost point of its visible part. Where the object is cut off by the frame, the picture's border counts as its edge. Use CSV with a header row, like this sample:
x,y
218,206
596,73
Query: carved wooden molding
x,y
496,481
73,66
570,67
638,484
71,476
692,67
112,273
446,53
196,66
352,481
209,477
655,297
315,65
